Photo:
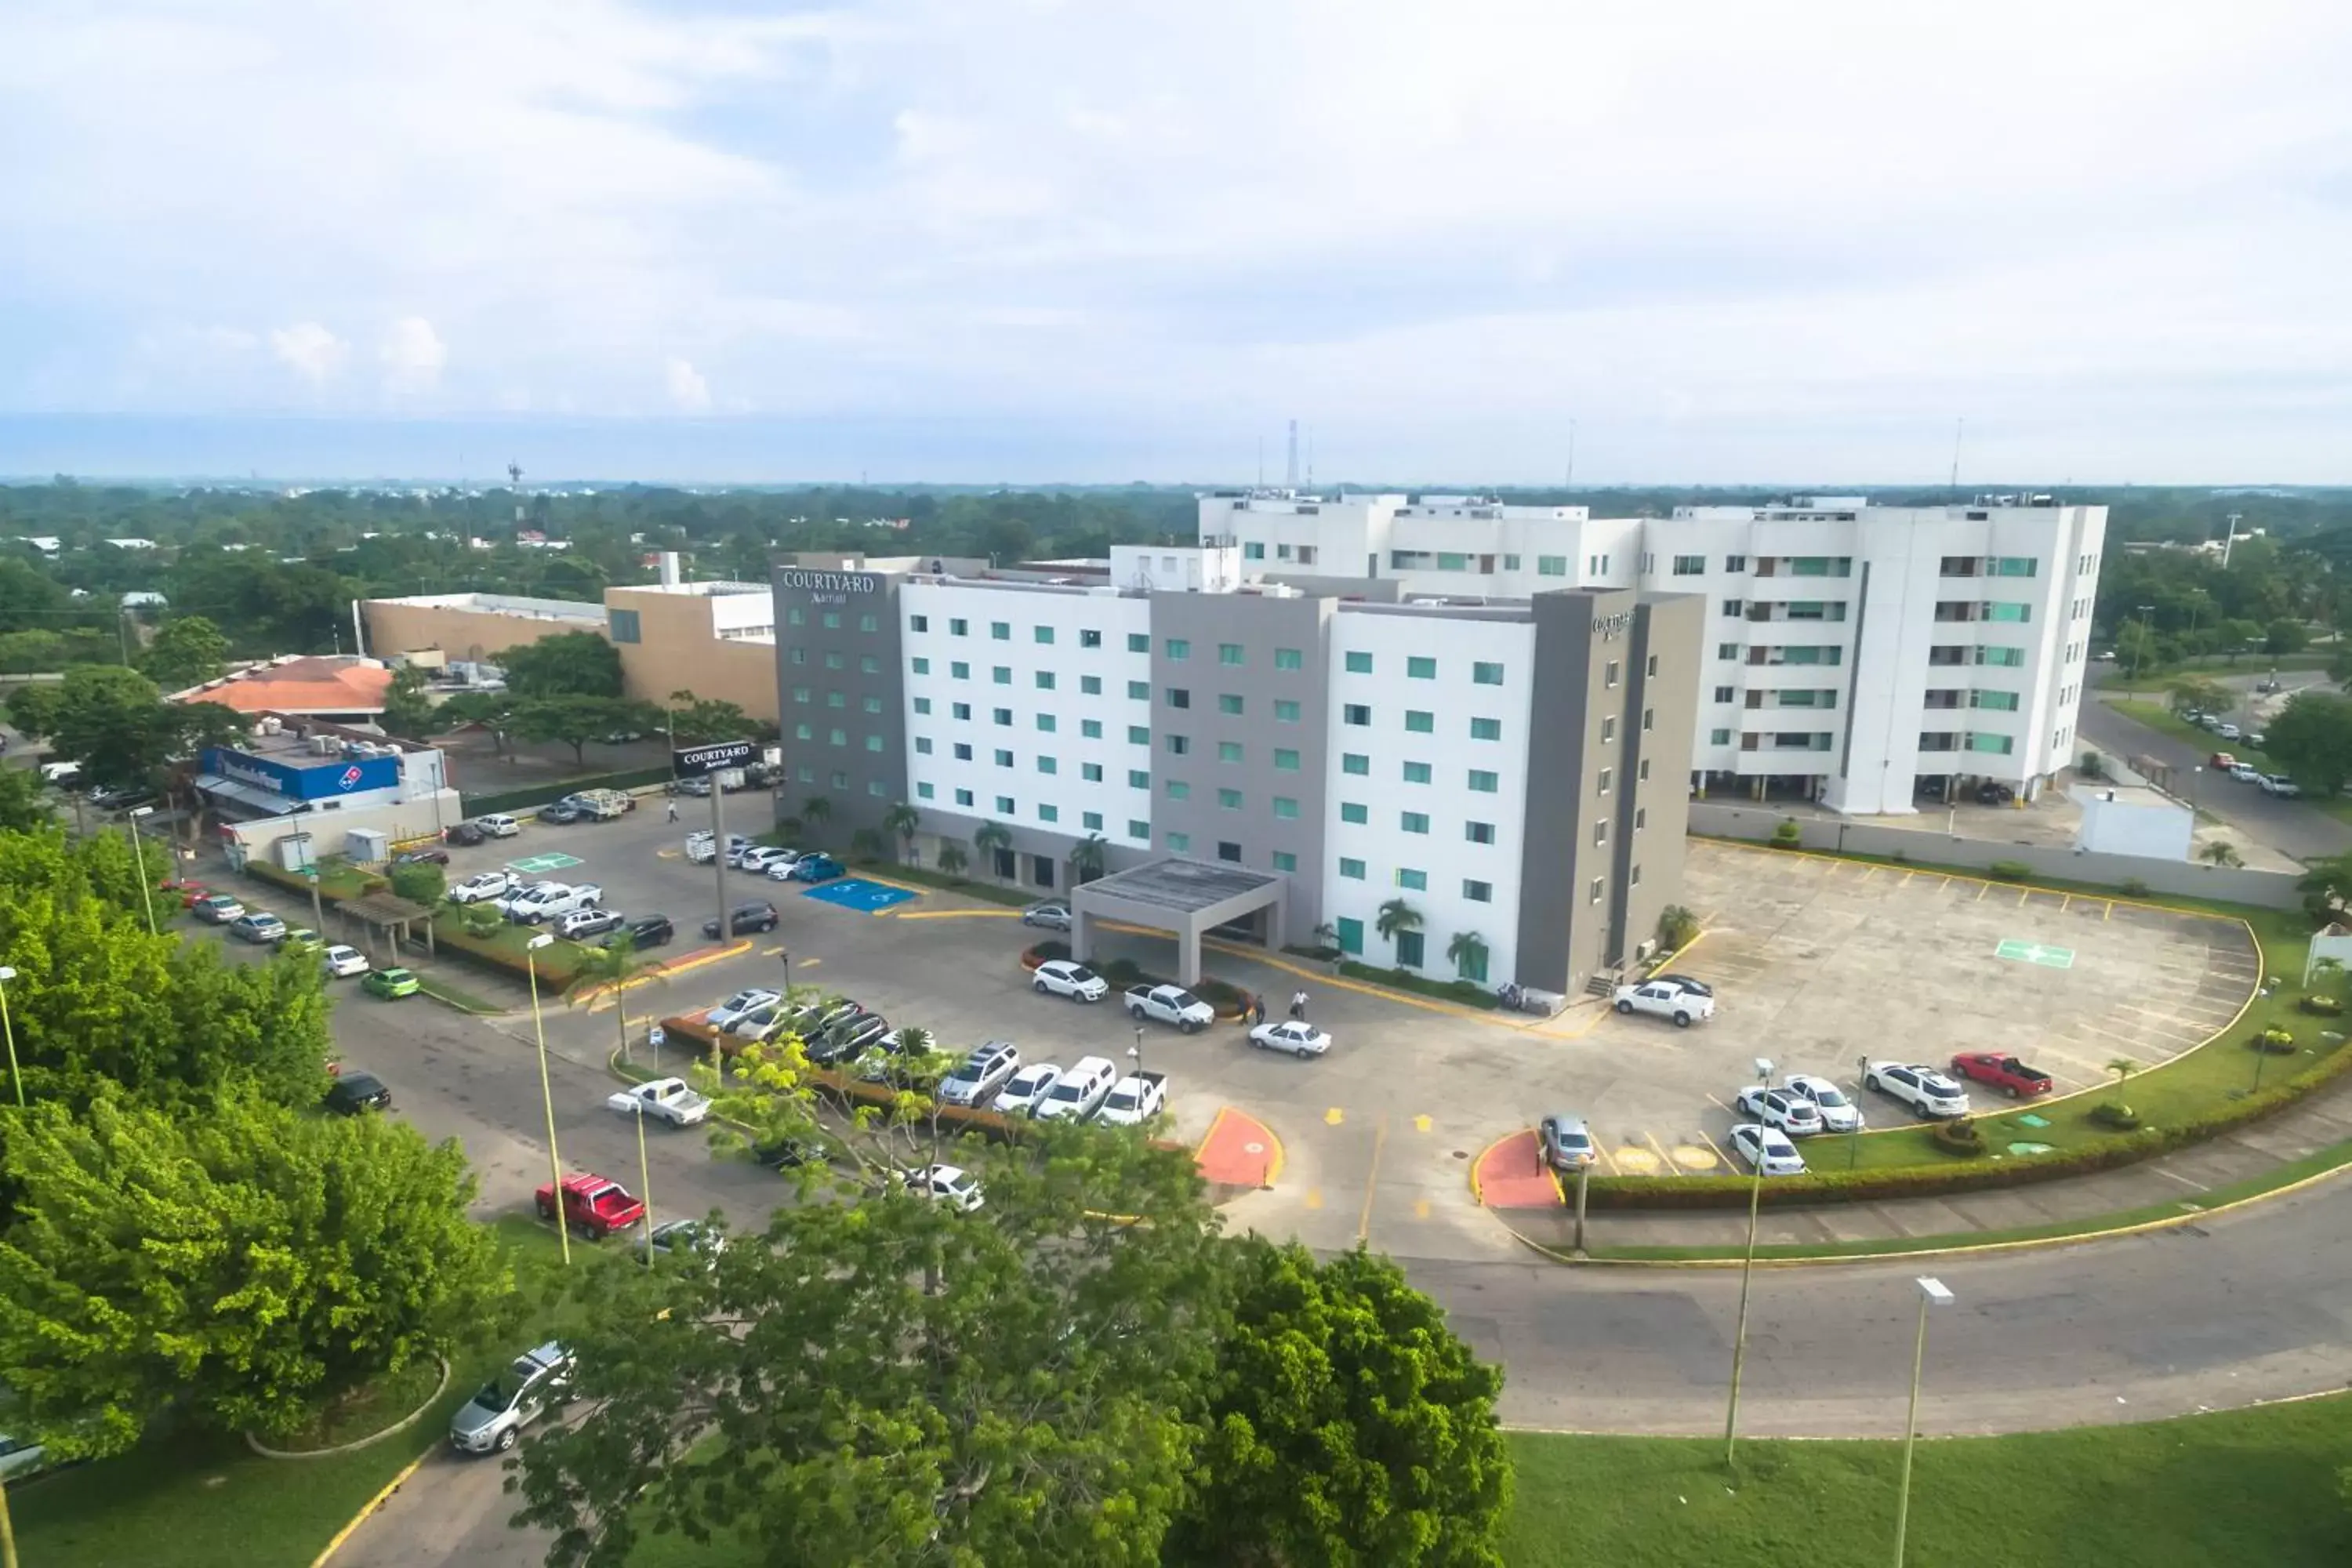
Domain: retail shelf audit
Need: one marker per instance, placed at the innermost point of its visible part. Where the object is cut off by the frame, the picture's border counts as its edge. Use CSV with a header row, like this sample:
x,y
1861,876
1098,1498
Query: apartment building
x,y
1515,773
1868,658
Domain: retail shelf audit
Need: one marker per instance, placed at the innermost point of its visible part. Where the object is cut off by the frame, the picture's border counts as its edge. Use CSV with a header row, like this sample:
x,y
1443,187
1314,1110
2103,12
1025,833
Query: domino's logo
x,y
351,777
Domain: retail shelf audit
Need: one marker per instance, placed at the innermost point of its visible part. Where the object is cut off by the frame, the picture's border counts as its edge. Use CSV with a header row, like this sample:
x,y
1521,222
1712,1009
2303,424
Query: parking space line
x,y
1717,1151
1982,889
1372,1181
1658,1149
1602,1149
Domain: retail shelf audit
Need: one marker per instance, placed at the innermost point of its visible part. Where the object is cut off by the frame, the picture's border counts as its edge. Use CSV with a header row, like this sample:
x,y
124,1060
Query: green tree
x,y
1677,927
576,721
2221,853
816,812
1088,856
233,1269
2311,738
22,807
1395,917
2286,635
493,710
408,710
883,1378
612,967
1348,1425
1468,953
2236,637
34,710
2139,649
568,664
2199,694
900,822
698,721
188,651
2326,888
989,840
953,862
866,844
420,882
115,723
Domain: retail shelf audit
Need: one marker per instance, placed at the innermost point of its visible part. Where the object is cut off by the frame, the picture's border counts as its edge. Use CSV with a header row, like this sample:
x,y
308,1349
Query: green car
x,y
302,939
390,984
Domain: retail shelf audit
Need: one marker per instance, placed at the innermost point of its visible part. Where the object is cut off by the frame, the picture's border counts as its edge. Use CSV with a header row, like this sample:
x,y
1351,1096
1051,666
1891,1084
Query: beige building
x,y
471,627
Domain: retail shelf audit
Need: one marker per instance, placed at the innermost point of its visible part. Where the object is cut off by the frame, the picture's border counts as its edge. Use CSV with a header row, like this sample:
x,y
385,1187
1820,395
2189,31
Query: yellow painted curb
x,y
1341,981
335,1543
603,996
950,914
2023,1244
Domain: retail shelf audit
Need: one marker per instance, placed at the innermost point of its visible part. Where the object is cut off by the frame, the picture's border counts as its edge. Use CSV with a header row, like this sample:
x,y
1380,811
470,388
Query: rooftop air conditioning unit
x,y
270,726
325,745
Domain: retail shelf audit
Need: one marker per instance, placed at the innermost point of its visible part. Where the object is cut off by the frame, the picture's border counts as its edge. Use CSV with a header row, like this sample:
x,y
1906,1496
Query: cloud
x,y
413,353
310,351
688,392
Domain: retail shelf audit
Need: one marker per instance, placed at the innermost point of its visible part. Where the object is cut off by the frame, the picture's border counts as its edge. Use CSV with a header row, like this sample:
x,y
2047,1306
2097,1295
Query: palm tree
x,y
866,845
1086,858
951,859
790,827
1467,951
990,837
2122,1068
2221,853
815,811
901,821
1396,917
612,967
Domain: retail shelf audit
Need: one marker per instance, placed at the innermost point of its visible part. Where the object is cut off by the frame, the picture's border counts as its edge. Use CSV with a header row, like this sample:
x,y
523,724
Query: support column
x,y
1082,935
1188,951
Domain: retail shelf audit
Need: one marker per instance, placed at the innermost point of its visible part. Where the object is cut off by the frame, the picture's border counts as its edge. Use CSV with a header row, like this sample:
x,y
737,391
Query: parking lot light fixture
x,y
1932,1293
7,1026
1136,1050
139,854
547,1093
1764,1067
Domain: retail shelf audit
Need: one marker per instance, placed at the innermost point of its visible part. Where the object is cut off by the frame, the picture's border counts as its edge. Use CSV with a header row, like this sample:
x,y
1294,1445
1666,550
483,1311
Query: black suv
x,y
745,918
646,931
353,1092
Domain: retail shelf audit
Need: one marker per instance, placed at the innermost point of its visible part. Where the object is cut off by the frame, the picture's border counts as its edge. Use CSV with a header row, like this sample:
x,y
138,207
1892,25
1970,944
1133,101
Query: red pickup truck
x,y
594,1206
2007,1074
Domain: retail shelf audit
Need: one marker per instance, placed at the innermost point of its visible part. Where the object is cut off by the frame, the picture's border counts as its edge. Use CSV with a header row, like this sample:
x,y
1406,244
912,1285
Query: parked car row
x,y
776,863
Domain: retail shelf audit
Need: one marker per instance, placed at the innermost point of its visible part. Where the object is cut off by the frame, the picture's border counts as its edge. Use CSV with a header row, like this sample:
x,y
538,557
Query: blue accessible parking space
x,y
853,893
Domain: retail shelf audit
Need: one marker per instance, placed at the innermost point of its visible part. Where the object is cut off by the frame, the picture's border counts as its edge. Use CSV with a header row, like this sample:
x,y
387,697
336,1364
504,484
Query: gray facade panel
x,y
1256,626
839,646
1654,801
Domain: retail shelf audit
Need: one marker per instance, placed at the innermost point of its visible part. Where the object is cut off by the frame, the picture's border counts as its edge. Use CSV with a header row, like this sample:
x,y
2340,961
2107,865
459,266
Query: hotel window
x,y
961,709
1229,800
1416,773
1356,713
924,792
1718,737
1735,563
835,699
1179,842
1283,860
1610,674
1650,667
1478,892
1510,563
922,705
831,620
1484,783
1413,821
872,704
1229,653
868,624
958,627
1286,712
1608,728
1090,772
963,750
1045,634
799,654
1486,675
1351,811
1137,735
1726,694
1351,935
922,746
1551,566
1137,779
1352,870
1478,832
1004,758
1285,762
1000,674
1090,728
1595,891
1492,728
1285,808
1179,790
1419,722
1139,690
1359,664
959,670
1092,819
1421,669
873,742
623,624
1355,763
1049,813
1179,745
1690,565
1413,882
1599,833
1607,776
836,737
1049,765
1228,703
1004,806
1180,697
1090,685
1288,659
1045,680
799,694
835,662
1252,551
1003,716
1001,631
1136,829
1047,723
1138,642
804,733
922,666
918,623
1733,609
963,797
1179,649
1090,639
1229,750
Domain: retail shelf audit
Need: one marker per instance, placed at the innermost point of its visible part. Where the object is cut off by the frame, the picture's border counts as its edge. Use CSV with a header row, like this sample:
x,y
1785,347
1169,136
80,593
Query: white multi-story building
x,y
1864,657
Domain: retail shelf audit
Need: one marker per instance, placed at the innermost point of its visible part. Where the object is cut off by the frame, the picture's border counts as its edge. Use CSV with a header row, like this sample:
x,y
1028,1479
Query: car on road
x,y
1784,1109
2255,740
2227,732
581,924
1696,987
19,1457
1067,977
1838,1114
1051,915
464,834
483,885
697,788
745,918
1919,1086
217,908
749,999
191,893
258,927
2281,785
1080,1091
1766,1149
645,931
594,1206
2222,762
669,1100
1296,1036
2246,773
817,869
391,984
496,1416
1992,793
1169,1005
353,1092
948,1183
1567,1143
1666,999
429,856
343,963
1027,1089
498,824
673,1237
981,1074
1998,1071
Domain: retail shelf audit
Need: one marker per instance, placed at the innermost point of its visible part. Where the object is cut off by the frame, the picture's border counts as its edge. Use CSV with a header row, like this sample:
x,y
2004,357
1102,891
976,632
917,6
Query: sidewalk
x,y
2181,1178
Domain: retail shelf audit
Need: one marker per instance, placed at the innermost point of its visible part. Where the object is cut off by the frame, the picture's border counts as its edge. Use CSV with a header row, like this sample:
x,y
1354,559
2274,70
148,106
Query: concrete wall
x,y
2270,890
406,820
462,634
677,650
2140,823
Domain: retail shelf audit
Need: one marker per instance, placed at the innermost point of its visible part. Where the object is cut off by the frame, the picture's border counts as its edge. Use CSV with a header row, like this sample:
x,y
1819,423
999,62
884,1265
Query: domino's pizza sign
x,y
349,779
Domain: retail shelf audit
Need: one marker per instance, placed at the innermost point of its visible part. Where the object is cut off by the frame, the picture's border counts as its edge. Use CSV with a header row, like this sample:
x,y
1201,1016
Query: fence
x,y
2230,884
539,795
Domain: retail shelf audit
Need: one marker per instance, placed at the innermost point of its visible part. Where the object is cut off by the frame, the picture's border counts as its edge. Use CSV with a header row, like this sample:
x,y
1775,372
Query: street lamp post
x,y
645,1184
139,854
1136,1050
7,1026
547,1094
1747,1275
1932,1293
2147,630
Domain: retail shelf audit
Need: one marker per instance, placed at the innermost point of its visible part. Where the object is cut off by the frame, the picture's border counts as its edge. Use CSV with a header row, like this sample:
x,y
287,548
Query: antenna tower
x,y
1290,470
514,477
1571,454
1959,428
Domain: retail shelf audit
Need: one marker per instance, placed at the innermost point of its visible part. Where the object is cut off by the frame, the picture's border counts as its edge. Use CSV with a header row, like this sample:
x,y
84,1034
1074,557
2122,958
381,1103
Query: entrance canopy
x,y
1182,897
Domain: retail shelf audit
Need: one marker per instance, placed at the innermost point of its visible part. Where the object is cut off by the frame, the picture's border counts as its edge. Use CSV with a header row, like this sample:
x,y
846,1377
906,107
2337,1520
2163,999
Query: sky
x,y
1702,241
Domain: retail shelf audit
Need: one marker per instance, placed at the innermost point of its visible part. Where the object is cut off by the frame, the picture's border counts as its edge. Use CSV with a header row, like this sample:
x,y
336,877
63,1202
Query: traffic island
x,y
1510,1173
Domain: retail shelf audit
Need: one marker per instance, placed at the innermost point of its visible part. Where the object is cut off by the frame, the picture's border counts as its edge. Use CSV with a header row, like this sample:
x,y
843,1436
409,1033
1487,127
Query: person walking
x,y
673,808
1298,1005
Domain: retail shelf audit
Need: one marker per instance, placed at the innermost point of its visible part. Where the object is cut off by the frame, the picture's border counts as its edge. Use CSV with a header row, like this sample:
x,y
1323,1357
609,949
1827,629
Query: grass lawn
x,y
923,876
2162,720
504,950
219,1505
2243,1487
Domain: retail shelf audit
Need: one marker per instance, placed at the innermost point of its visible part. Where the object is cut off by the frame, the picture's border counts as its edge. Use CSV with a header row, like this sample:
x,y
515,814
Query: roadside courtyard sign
x,y
694,761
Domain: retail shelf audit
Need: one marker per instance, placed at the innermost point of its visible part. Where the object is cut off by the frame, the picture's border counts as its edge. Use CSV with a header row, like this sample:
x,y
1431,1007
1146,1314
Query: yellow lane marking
x,y
2110,913
1603,1151
1659,1149
1315,1197
1982,889
1334,1116
2065,904
604,996
1421,1208
1634,1162
951,914
1372,1179
667,853
1421,1125
1717,1147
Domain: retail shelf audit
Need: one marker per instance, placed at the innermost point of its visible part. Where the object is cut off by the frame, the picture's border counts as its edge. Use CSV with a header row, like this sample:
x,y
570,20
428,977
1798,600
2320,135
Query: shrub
x,y
2009,871
1044,953
1225,999
2274,1042
1788,835
1319,953
1960,1135
1122,972
2115,1114
2133,888
2325,1006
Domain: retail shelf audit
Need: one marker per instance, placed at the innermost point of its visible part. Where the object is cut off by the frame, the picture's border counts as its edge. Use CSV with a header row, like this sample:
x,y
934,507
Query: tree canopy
x,y
567,664
187,651
115,723
2312,737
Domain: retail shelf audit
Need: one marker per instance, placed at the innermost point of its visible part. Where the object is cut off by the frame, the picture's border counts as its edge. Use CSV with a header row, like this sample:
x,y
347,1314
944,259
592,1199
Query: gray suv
x,y
492,1419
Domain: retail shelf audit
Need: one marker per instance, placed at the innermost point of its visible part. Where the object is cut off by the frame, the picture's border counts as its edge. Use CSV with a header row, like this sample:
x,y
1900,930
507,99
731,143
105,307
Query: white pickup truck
x,y
1668,999
484,885
1169,1005
545,900
668,1099
1135,1099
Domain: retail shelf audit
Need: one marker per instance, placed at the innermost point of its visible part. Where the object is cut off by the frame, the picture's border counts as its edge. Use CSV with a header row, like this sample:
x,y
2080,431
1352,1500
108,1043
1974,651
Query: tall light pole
x,y
1747,1275
8,1027
2147,630
547,1093
1932,1293
645,1184
139,854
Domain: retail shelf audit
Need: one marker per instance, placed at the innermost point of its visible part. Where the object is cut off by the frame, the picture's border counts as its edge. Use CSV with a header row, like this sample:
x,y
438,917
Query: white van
x,y
1080,1092
60,773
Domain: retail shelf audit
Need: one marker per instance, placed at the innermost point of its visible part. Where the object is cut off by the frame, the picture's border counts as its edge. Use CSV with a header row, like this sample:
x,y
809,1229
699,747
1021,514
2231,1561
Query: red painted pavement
x,y
1239,1152
1510,1175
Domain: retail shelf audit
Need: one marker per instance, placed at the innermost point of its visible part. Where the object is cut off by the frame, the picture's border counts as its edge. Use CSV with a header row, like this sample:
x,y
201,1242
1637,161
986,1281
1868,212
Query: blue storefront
x,y
273,786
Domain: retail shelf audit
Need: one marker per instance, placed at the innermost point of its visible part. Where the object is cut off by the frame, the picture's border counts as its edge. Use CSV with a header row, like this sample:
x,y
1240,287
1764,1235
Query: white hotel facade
x,y
1868,658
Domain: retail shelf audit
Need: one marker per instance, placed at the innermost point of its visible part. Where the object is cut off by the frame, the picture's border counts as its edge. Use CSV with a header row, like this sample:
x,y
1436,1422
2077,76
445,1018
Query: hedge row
x,y
558,963
1962,1176
537,795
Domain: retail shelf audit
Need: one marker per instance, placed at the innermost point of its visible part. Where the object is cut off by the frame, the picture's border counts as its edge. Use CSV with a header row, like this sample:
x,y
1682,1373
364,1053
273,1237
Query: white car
x,y
1919,1086
1080,1092
484,885
2246,773
1065,978
668,1099
1299,1039
1666,999
498,825
345,962
762,857
779,868
987,1069
2227,732
742,1002
1784,1109
1767,1149
1838,1114
1028,1089
1135,1099
2280,784
950,1184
